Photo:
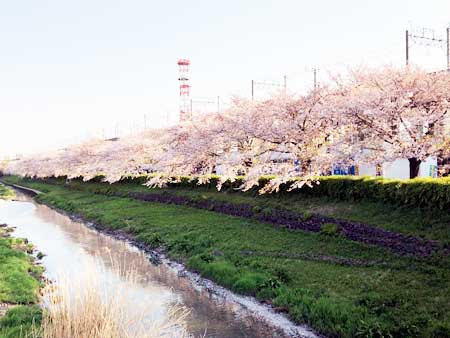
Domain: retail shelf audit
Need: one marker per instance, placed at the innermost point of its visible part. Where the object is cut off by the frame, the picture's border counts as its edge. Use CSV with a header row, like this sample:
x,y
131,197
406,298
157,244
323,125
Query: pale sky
x,y
70,70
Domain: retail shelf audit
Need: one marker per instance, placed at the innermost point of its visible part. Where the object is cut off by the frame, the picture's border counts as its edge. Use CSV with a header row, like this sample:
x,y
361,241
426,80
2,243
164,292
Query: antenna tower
x,y
183,79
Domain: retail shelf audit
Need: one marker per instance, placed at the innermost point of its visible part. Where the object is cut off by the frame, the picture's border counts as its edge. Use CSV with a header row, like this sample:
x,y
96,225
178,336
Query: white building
x,y
400,169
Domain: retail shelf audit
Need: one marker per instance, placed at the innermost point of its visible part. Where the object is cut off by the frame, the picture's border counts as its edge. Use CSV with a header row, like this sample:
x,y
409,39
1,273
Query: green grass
x,y
19,283
317,278
5,192
19,321
432,224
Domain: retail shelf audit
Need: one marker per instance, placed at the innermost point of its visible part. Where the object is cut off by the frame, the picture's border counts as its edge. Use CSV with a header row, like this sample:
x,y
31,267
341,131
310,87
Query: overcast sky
x,y
70,70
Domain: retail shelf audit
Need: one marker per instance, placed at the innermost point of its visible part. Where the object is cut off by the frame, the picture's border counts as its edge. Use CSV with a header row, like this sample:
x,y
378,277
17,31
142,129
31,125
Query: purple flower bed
x,y
399,243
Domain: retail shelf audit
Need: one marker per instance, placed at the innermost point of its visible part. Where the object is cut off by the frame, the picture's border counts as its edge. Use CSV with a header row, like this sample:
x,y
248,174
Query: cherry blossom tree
x,y
369,116
112,159
289,137
285,136
396,112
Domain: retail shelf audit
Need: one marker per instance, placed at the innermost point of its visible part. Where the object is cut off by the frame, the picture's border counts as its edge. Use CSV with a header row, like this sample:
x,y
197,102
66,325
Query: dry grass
x,y
87,307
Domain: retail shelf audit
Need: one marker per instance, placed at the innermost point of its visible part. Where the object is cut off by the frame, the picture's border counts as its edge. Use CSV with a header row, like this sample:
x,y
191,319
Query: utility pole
x,y
253,93
448,48
407,47
285,85
426,37
218,104
315,78
145,122
314,70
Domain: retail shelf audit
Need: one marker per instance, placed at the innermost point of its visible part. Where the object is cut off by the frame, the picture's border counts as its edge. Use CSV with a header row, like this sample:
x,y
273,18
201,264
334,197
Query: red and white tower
x,y
183,78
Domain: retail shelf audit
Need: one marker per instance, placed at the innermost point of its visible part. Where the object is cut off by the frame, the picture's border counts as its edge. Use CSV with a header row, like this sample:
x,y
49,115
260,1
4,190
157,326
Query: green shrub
x,y
250,283
371,330
18,321
196,263
153,239
329,229
441,330
223,272
282,274
190,243
306,216
432,193
206,257
419,192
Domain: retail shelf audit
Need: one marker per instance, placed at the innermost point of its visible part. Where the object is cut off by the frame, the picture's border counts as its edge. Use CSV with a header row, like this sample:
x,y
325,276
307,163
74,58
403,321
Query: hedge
x,y
429,193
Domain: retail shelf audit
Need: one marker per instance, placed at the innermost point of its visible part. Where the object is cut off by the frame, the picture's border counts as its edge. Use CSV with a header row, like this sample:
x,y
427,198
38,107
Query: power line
x,y
204,101
426,37
269,84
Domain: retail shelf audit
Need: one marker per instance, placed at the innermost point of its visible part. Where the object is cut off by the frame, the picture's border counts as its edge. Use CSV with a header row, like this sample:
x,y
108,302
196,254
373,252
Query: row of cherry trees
x,y
366,116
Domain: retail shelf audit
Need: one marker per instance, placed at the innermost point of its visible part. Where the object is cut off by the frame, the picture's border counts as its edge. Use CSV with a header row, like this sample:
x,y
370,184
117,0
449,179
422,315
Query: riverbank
x,y
20,281
71,245
5,192
340,287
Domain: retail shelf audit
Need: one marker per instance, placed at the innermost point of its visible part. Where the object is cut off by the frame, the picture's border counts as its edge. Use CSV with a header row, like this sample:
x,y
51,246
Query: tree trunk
x,y
414,166
444,165
306,167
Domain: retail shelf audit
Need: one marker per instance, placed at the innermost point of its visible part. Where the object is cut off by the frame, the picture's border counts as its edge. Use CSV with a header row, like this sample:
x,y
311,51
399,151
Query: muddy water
x,y
70,246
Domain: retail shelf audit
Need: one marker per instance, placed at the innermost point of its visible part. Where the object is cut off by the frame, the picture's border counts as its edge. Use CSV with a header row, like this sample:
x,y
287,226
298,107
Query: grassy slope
x,y
432,224
428,224
17,285
397,295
